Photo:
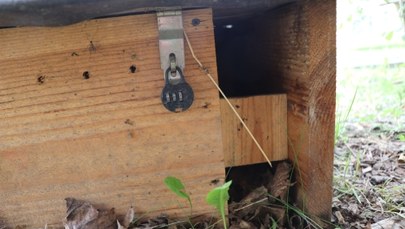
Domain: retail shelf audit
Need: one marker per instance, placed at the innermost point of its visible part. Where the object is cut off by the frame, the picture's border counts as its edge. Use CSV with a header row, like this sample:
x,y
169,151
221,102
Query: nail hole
x,y
132,68
86,75
41,79
195,21
92,47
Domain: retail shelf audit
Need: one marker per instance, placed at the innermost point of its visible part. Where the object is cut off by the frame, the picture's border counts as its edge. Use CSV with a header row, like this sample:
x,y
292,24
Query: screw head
x,y
195,21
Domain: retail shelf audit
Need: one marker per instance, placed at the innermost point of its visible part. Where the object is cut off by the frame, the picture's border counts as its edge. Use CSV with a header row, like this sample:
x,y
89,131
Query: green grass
x,y
379,94
381,47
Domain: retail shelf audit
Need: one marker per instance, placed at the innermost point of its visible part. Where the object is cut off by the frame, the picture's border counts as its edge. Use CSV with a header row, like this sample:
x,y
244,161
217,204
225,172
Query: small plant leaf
x,y
273,223
218,197
176,186
389,35
401,137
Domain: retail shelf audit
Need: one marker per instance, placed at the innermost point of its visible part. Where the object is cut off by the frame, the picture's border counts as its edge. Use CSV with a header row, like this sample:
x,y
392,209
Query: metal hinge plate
x,y
170,26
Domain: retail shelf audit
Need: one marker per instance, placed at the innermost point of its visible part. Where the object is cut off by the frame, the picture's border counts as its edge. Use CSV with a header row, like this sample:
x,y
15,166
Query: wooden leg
x,y
296,44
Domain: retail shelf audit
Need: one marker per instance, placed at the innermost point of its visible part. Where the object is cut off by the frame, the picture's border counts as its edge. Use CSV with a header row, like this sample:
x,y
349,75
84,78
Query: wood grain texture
x,y
106,139
266,117
298,50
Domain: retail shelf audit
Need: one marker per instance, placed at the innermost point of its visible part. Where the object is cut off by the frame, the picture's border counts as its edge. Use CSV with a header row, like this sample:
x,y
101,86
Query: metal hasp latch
x,y
177,95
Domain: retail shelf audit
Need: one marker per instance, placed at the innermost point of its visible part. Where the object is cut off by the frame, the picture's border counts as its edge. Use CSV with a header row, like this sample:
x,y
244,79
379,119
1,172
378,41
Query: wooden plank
x,y
106,139
298,51
266,117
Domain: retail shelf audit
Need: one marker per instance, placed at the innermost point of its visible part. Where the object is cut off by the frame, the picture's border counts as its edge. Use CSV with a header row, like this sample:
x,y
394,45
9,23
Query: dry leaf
x,y
401,158
234,226
158,222
377,179
120,226
2,223
266,222
340,218
246,225
106,219
247,206
354,208
255,195
368,226
390,223
281,181
82,215
129,217
79,213
278,213
367,169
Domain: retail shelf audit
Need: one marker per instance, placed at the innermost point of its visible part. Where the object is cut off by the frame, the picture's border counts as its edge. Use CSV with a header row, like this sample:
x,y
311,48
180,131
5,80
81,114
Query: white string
x,y
226,99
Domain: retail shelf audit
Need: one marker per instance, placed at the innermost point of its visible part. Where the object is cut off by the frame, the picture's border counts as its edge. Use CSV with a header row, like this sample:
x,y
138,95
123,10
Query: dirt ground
x,y
369,176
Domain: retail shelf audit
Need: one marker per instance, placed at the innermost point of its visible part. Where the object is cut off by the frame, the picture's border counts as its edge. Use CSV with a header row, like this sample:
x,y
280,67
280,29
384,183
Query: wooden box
x,y
80,111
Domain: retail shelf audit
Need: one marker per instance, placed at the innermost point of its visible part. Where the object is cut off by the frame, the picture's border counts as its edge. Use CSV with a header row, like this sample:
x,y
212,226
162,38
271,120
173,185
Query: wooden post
x,y
295,45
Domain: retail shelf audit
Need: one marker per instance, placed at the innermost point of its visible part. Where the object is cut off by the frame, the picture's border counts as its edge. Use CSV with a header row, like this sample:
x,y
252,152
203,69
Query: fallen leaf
x,y
129,217
106,219
79,213
248,205
354,208
277,213
255,195
159,222
340,218
281,181
367,169
266,222
83,215
246,225
368,226
119,226
2,223
375,180
390,223
401,158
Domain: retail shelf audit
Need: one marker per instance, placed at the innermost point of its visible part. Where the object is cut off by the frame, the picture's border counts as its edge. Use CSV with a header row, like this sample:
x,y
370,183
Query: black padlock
x,y
177,95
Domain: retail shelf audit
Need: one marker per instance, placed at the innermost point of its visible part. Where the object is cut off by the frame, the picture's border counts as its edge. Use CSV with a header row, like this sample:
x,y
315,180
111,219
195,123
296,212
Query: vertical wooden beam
x,y
318,159
296,46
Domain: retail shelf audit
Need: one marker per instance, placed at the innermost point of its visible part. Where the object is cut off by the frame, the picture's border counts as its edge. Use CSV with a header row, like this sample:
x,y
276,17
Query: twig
x,y
202,67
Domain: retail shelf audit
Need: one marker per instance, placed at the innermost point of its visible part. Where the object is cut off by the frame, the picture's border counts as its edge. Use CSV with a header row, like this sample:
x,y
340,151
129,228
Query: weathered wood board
x,y
266,117
298,50
106,139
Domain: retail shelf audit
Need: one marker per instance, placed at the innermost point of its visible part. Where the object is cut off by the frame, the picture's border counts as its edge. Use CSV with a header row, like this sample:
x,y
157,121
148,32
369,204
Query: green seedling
x,y
273,223
218,197
339,122
176,186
